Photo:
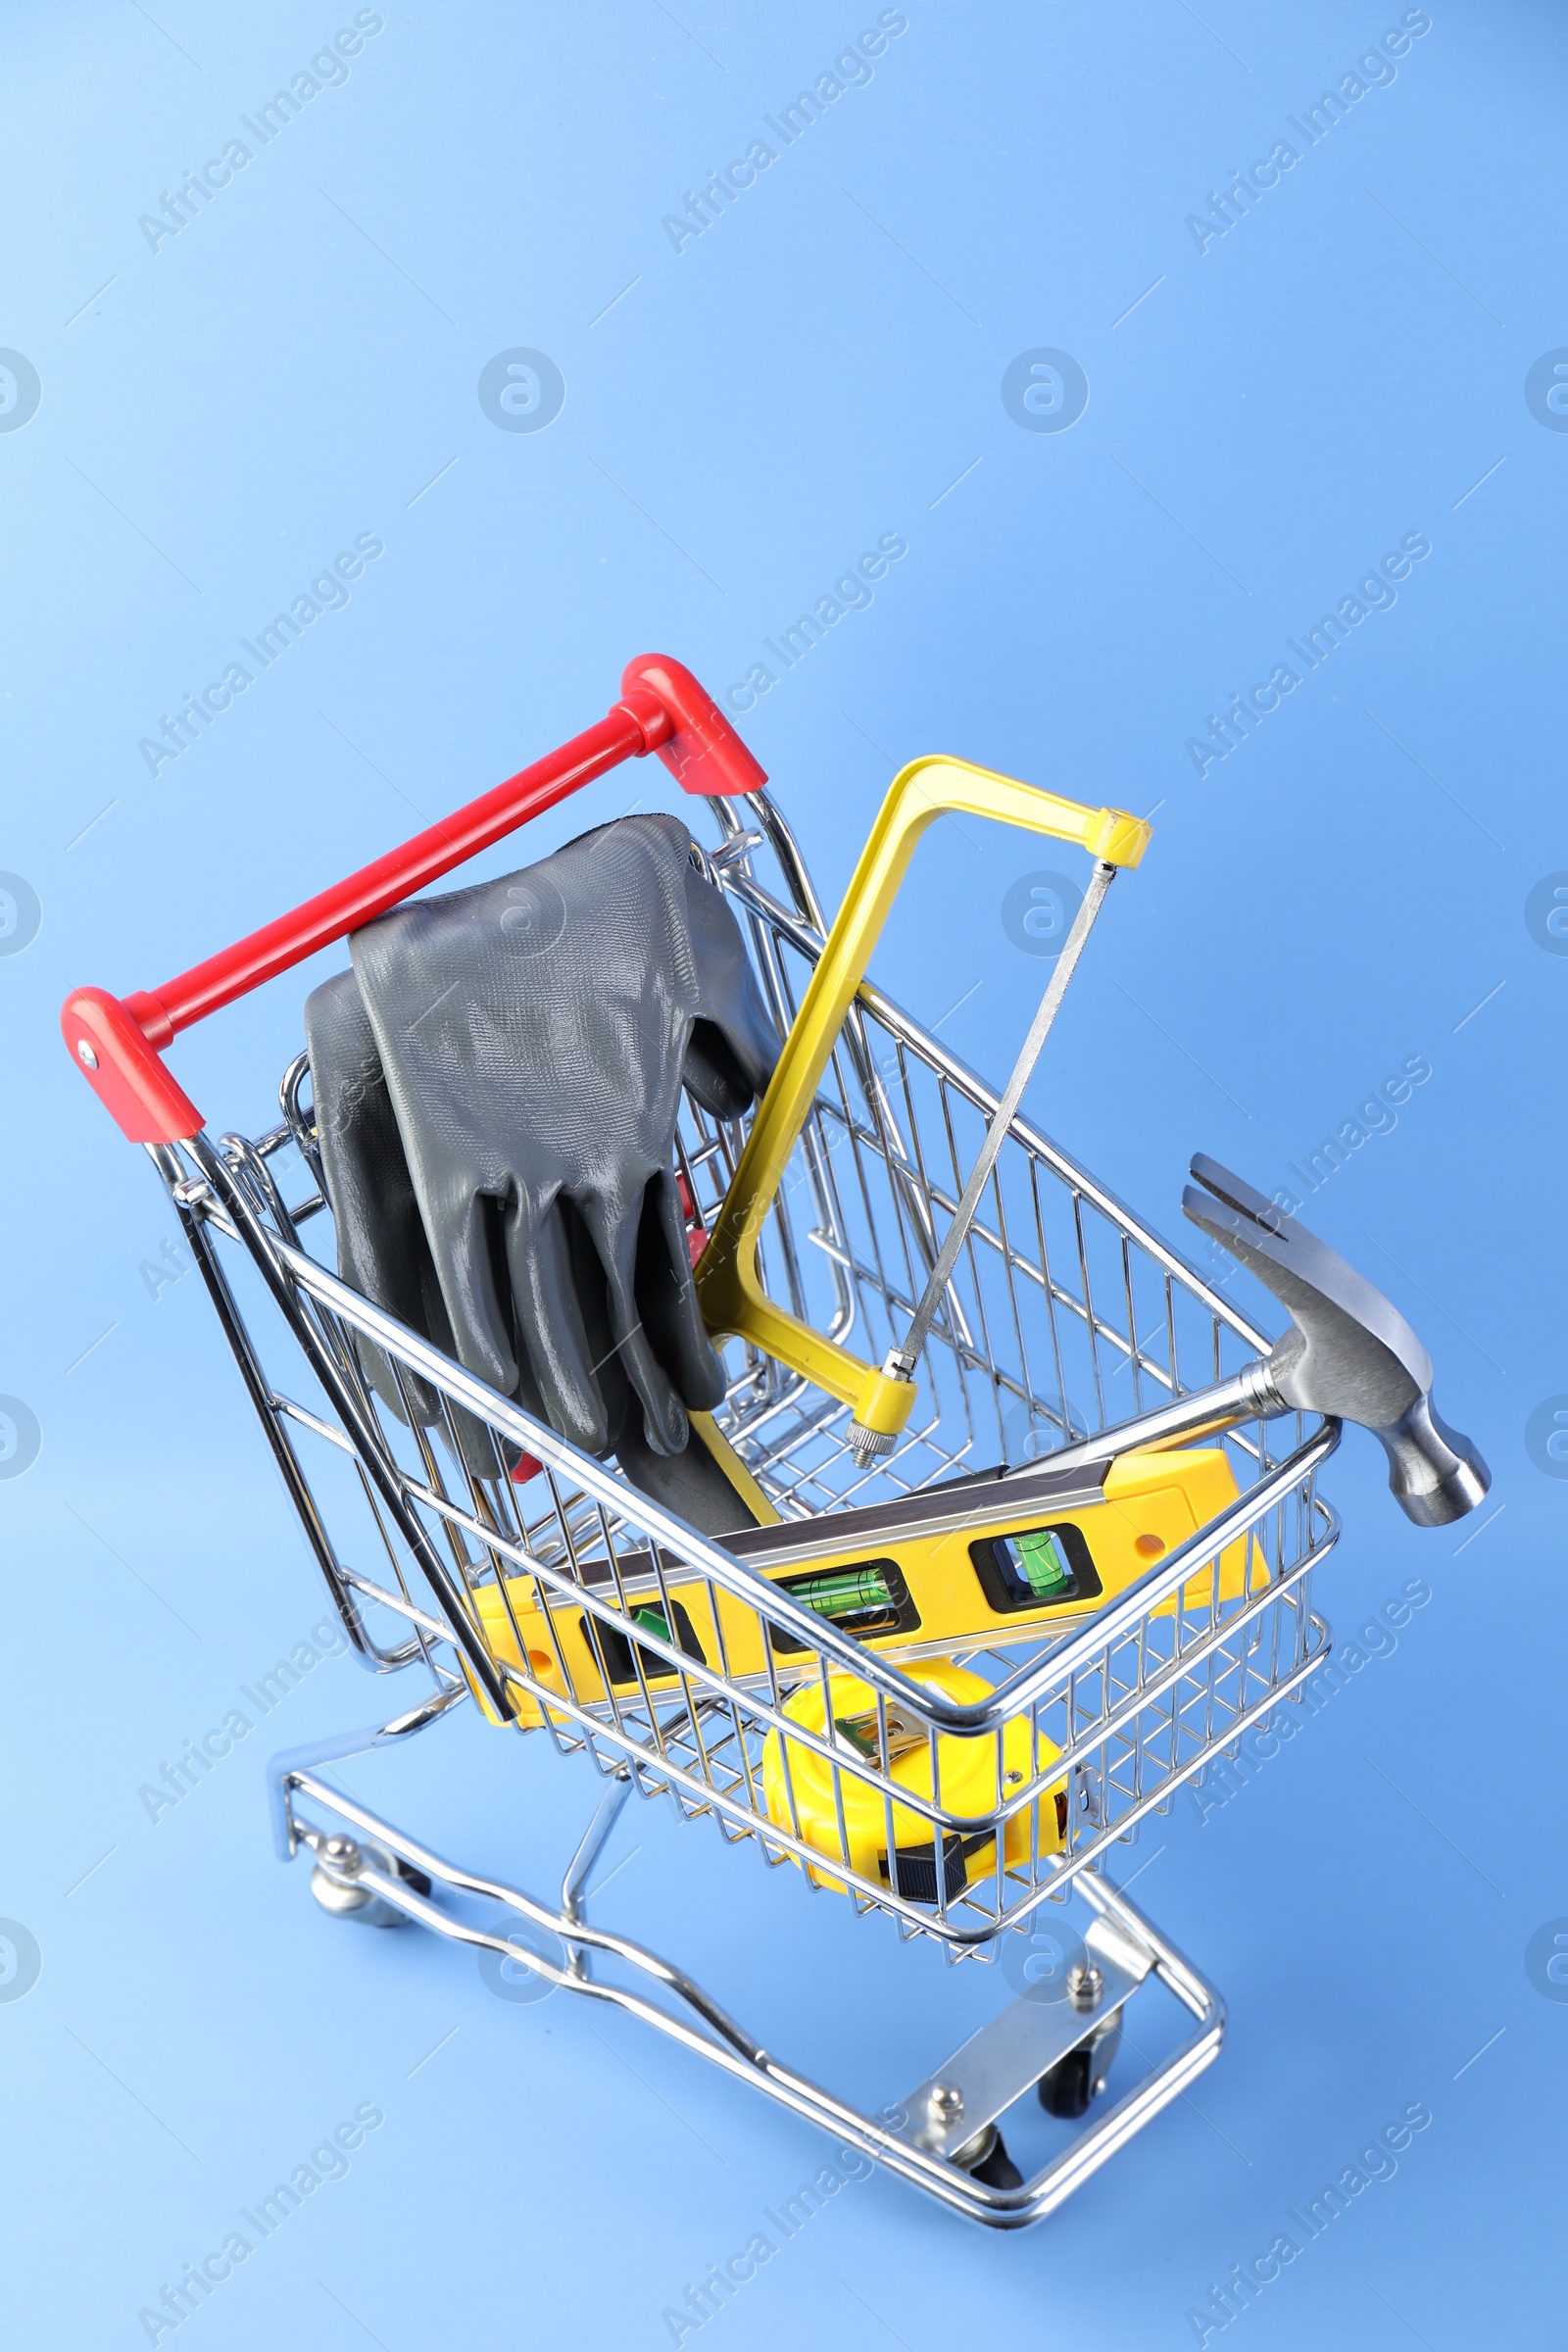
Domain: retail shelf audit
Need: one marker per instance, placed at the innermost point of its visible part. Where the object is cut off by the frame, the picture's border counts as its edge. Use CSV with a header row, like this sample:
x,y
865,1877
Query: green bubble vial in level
x,y
844,1591
1038,1562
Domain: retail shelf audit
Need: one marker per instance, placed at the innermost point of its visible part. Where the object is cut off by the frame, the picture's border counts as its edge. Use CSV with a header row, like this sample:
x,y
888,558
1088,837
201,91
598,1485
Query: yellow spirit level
x,y
978,1561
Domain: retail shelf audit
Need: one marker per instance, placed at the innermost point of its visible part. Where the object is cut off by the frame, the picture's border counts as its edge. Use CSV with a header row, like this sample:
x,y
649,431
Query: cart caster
x,y
334,1882
1070,2087
994,2166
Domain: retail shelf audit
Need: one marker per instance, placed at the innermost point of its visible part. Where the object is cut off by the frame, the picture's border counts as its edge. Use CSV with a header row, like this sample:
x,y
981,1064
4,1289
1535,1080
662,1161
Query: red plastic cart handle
x,y
114,1040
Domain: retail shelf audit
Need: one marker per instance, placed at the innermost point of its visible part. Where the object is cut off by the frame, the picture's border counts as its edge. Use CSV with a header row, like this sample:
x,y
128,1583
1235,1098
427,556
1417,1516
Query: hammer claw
x,y
1350,1353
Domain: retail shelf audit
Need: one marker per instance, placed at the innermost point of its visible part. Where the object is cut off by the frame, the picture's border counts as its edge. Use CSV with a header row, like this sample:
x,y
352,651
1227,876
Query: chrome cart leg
x,y
573,1886
338,1878
943,2138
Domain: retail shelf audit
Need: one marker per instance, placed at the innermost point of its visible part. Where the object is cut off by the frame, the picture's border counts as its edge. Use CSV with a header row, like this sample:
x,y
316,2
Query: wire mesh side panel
x,y
600,1622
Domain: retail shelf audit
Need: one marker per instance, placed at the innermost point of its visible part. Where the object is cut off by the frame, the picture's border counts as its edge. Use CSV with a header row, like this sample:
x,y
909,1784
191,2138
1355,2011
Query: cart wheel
x,y
1067,2088
996,2166
333,1881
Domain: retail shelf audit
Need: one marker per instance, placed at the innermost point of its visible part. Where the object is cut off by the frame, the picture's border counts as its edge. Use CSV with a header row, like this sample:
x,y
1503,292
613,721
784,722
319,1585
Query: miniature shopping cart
x,y
1062,1339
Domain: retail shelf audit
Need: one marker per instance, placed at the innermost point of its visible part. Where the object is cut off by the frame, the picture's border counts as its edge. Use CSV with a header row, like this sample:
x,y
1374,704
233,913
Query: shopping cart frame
x,y
225,1194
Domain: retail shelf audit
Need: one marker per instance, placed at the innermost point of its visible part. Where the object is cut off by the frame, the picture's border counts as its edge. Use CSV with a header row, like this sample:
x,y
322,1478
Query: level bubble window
x,y
1035,1567
867,1599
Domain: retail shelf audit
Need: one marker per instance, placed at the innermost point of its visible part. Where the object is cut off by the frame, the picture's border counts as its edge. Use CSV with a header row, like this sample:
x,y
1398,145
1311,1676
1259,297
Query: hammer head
x,y
1348,1353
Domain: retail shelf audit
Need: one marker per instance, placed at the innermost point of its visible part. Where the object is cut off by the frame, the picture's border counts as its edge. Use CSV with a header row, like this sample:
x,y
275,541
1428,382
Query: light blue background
x,y
1342,893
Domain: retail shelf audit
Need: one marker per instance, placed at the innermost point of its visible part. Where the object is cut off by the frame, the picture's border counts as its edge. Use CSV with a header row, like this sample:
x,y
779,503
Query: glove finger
x,y
712,1076
377,1370
381,1249
666,1298
621,1407
464,1245
690,1483
550,1323
480,1451
615,1237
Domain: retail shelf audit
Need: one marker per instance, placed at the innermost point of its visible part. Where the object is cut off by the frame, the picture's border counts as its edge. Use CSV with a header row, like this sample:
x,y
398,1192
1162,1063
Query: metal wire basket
x,y
575,1609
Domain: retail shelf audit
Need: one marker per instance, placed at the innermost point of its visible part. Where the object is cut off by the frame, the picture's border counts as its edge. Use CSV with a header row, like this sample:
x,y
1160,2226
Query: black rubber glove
x,y
383,1252
534,1034
381,1249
